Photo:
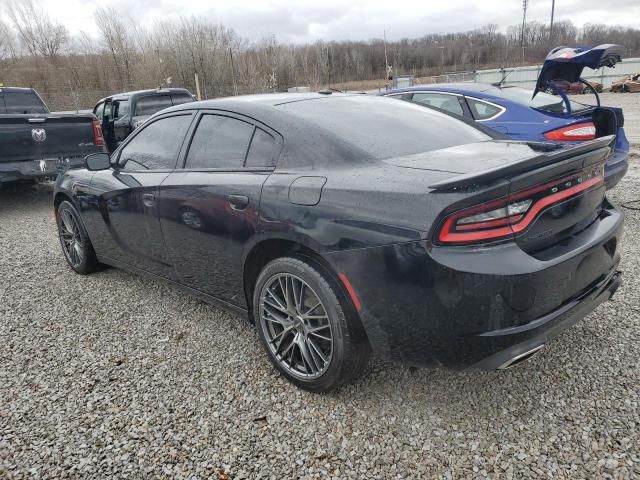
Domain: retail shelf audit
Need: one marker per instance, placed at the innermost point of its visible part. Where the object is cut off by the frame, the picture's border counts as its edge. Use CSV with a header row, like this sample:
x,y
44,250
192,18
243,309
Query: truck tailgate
x,y
42,137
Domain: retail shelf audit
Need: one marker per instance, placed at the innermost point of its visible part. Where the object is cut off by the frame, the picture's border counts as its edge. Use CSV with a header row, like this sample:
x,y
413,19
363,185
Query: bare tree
x,y
6,41
117,39
38,33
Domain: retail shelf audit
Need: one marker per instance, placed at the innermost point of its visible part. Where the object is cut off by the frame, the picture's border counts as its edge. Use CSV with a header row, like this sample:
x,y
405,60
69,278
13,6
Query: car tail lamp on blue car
x,y
503,218
575,133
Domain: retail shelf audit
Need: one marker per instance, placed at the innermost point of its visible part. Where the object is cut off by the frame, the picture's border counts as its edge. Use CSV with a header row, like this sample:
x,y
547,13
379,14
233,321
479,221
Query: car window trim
x,y
502,109
275,153
146,124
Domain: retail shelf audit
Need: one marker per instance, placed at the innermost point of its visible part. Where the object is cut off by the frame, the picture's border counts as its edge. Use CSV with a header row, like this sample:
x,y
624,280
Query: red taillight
x,y
577,132
98,139
503,218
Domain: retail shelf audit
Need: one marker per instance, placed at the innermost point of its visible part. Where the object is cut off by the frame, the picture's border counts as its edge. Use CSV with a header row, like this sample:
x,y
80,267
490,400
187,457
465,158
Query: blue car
x,y
521,114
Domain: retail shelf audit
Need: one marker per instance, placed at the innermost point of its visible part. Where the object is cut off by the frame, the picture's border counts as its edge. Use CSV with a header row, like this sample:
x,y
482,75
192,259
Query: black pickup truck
x,y
36,144
121,113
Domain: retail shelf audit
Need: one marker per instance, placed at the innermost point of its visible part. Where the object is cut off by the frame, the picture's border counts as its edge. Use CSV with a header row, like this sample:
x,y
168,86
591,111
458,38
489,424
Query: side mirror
x,y
97,161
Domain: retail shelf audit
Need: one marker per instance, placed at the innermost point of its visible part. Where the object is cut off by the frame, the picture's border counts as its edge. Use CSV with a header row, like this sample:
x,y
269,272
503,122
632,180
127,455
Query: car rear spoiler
x,y
551,153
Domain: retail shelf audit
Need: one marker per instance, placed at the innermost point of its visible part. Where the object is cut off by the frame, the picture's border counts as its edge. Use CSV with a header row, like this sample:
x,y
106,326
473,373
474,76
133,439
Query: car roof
x,y
136,93
16,90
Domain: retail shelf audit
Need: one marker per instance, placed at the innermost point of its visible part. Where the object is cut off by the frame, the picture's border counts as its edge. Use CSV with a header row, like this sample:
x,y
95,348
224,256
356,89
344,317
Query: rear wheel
x,y
304,328
74,240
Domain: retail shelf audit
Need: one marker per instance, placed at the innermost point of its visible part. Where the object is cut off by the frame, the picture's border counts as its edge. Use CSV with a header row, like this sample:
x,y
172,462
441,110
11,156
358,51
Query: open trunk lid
x,y
567,64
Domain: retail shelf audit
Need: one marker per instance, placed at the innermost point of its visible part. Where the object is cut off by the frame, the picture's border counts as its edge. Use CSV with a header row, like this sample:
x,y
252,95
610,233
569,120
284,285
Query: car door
x,y
121,123
209,210
125,226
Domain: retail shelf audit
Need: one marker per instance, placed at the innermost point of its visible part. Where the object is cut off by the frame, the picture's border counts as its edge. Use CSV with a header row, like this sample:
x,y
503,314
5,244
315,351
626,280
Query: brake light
x,y
508,216
577,132
98,139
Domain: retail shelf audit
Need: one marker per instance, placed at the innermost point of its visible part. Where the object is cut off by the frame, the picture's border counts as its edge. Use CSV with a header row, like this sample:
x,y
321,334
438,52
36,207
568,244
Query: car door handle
x,y
149,199
238,202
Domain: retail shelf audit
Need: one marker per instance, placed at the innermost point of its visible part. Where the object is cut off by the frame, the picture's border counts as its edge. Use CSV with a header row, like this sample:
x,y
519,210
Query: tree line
x,y
74,71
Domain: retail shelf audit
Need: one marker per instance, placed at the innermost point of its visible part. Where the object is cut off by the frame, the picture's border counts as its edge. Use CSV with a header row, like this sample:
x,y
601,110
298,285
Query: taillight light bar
x,y
508,216
577,132
98,139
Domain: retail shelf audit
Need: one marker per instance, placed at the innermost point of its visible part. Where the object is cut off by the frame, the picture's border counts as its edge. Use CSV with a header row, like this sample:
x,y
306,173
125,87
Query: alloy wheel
x,y
296,326
71,238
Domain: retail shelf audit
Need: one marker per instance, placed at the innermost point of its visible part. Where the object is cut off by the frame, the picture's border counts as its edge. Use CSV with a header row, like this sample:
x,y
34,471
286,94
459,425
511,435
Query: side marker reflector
x,y
350,291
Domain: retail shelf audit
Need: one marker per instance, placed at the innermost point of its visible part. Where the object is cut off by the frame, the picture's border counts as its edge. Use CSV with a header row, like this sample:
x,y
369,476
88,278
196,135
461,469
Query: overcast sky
x,y
306,21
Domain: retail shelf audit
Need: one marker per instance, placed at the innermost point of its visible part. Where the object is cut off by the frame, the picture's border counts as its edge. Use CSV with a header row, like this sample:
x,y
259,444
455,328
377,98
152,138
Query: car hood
x,y
564,63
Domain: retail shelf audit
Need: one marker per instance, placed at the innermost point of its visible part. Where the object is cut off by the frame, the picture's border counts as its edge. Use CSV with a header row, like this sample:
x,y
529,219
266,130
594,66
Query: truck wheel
x,y
304,328
74,240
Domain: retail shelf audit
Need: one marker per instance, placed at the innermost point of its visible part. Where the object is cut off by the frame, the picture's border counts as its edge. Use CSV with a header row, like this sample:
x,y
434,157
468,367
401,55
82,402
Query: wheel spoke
x,y
317,350
273,295
274,316
278,307
307,356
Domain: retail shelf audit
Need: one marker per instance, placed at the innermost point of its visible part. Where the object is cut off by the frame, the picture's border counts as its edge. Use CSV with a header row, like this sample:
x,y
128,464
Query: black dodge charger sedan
x,y
343,224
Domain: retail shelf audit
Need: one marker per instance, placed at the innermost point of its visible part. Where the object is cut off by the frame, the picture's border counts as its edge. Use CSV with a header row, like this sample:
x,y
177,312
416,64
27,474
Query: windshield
x,y
542,101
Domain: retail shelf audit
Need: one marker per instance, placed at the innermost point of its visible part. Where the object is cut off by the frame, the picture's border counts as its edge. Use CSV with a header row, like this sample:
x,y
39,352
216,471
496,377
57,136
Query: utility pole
x,y
553,7
387,68
233,73
524,18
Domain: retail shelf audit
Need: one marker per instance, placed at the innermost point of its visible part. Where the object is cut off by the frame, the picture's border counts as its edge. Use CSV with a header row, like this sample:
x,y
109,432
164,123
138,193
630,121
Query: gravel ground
x,y
111,375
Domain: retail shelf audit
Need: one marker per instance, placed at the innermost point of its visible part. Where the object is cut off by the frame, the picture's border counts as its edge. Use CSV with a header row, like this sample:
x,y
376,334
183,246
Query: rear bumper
x,y
479,307
616,168
540,331
37,169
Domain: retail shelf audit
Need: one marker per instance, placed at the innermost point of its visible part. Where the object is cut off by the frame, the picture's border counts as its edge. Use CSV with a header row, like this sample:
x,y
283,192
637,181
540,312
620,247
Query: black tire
x,y
80,256
350,350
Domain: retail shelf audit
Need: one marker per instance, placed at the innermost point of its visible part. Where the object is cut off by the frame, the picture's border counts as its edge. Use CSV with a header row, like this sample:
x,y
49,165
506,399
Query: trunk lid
x,y
557,189
567,64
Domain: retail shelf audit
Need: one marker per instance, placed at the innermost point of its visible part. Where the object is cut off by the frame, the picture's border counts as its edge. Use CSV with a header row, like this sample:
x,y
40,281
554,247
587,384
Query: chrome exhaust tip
x,y
520,358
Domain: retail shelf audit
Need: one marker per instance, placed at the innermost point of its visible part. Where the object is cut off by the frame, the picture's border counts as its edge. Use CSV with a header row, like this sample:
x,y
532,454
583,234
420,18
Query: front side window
x,y
152,104
482,110
219,142
448,103
156,146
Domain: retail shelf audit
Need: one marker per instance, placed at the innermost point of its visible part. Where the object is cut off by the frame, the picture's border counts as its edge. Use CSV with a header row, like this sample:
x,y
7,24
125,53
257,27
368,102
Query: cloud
x,y
300,22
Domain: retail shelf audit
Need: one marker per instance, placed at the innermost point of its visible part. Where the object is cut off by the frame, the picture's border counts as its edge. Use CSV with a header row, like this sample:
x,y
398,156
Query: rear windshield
x,y
383,127
542,101
22,103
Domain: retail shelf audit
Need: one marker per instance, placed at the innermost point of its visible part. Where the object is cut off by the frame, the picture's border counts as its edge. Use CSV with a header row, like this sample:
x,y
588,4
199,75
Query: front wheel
x,y
74,240
306,332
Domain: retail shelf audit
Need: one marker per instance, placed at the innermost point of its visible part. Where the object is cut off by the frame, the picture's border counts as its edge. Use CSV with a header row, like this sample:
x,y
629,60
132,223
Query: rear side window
x,y
23,103
219,142
448,103
152,104
3,109
482,110
261,150
156,146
